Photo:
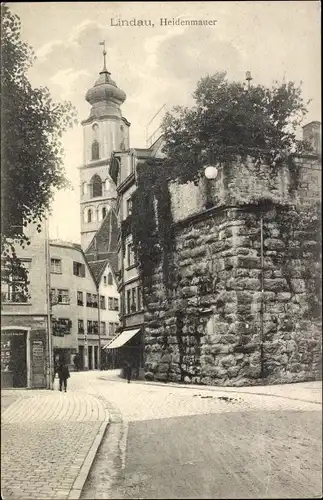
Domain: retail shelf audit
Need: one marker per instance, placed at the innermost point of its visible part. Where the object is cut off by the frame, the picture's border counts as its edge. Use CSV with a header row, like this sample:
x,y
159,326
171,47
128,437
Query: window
x,y
79,269
80,326
89,326
62,296
130,255
14,284
112,328
110,279
95,150
102,302
89,215
105,280
61,326
139,298
80,299
102,328
110,303
116,304
56,266
88,300
128,301
96,184
95,328
133,300
104,212
128,207
94,300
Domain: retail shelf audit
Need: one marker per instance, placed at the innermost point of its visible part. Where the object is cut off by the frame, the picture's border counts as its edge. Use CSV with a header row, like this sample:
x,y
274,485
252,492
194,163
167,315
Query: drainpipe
x,y
262,298
99,327
48,307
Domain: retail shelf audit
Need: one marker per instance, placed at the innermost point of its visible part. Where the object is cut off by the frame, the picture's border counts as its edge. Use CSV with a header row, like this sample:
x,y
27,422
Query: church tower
x,y
104,131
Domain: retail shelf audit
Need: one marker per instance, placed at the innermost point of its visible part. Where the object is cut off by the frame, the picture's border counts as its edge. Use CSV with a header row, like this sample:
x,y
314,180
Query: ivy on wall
x,y
151,221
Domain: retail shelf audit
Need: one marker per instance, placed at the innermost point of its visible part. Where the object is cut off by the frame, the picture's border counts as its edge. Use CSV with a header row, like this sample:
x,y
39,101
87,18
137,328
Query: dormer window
x,y
95,150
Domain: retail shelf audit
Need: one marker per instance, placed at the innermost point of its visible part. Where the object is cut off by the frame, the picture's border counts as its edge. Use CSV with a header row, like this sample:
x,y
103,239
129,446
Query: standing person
x,y
77,361
64,374
127,370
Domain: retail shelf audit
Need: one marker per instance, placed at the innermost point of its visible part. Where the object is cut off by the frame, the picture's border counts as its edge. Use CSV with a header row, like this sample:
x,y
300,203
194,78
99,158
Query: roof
x,y
97,268
103,246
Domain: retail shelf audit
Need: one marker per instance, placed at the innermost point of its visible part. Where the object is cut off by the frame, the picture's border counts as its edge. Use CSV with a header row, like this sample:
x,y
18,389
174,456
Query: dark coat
x,y
63,372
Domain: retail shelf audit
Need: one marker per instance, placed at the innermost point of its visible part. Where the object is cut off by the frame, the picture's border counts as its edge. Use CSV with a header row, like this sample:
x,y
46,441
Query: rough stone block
x,y
298,285
284,296
233,371
228,361
249,262
230,339
162,377
274,244
230,307
276,285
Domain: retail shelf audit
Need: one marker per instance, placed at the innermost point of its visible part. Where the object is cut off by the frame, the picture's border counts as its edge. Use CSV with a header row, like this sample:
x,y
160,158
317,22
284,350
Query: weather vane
x,y
104,55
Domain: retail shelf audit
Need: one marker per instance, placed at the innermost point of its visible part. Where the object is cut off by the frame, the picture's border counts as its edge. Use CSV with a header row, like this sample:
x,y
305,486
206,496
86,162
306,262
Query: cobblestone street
x,y
50,440
45,440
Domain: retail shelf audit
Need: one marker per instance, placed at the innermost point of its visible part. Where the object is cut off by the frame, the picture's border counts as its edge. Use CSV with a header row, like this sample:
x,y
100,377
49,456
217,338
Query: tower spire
x,y
104,57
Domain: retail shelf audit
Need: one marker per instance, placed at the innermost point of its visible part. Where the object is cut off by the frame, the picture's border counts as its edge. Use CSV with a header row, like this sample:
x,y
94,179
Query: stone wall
x,y
244,182
242,305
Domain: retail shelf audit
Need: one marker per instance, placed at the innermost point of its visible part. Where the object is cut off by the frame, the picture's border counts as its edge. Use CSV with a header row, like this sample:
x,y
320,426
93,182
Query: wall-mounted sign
x,y
38,356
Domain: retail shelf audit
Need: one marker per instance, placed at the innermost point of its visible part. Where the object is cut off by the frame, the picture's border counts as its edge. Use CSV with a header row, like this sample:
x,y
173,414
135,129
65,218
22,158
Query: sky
x,y
157,64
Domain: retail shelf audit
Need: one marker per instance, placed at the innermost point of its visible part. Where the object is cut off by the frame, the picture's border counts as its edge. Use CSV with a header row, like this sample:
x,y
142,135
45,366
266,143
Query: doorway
x,y
14,358
95,357
81,353
90,358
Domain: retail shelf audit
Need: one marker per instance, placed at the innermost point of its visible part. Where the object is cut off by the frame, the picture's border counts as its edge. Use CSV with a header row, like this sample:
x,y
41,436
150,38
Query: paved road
x,y
179,442
46,437
225,455
163,441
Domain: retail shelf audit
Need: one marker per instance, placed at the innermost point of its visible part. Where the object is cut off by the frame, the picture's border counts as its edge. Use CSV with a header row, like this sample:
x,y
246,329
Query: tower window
x,y
95,150
96,186
104,212
89,215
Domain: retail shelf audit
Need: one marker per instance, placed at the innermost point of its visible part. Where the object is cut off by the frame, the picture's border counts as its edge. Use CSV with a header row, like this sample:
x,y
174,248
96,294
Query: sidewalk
x,y
307,392
48,442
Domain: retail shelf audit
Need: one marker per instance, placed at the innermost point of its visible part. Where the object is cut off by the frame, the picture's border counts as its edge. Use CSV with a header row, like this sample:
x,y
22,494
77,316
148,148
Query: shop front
x,y
23,357
127,346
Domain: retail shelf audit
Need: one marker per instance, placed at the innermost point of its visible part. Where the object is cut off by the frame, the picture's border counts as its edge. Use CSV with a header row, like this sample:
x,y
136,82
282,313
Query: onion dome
x,y
105,90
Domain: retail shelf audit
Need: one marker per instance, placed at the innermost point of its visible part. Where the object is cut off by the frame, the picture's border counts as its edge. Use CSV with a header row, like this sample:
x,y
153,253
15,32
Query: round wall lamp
x,y
210,172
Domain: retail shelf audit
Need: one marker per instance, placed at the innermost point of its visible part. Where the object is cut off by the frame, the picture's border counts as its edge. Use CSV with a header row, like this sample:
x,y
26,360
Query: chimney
x,y
312,133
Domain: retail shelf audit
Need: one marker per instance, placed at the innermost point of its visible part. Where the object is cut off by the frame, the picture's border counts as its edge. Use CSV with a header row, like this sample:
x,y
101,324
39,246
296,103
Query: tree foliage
x,y
32,154
230,120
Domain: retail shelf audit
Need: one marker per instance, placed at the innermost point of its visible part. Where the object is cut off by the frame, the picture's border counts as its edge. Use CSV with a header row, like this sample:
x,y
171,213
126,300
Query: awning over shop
x,y
121,339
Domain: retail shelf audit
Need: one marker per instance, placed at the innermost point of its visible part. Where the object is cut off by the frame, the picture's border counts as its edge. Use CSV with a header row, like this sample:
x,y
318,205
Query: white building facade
x,y
84,311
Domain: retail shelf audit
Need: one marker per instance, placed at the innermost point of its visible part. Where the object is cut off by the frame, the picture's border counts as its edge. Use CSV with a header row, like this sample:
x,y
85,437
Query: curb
x,y
78,485
79,482
216,389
